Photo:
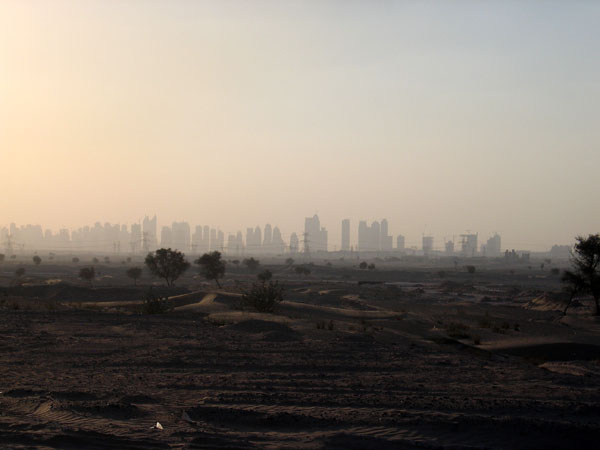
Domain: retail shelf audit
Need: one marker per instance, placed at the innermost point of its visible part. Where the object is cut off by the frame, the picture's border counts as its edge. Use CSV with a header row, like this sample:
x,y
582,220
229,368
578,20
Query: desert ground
x,y
414,354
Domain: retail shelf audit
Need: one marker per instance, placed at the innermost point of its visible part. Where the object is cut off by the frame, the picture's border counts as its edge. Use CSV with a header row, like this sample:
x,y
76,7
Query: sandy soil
x,y
338,366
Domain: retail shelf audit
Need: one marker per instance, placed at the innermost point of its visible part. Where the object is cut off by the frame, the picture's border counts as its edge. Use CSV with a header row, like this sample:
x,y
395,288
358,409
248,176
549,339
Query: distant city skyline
x,y
147,235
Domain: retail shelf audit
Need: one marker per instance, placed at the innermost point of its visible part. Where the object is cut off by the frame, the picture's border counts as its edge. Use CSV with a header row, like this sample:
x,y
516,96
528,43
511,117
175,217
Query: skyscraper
x,y
294,243
400,243
345,235
150,234
316,236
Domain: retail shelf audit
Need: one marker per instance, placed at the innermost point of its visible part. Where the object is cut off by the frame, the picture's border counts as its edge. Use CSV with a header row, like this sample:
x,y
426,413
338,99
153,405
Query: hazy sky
x,y
441,116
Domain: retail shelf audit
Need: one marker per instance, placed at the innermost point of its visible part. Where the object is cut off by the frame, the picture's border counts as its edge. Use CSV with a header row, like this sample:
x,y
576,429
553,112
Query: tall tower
x,y
345,235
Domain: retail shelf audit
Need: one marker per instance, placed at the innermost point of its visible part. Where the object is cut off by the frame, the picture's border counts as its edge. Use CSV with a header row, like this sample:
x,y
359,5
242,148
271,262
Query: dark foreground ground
x,y
89,379
396,358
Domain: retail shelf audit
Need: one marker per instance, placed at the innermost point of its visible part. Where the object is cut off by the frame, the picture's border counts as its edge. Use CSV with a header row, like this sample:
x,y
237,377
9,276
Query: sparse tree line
x,y
168,264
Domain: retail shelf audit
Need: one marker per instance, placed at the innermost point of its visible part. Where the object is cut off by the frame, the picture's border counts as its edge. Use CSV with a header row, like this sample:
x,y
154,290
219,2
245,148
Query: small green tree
x,y
585,276
37,260
88,274
212,267
134,273
251,263
167,264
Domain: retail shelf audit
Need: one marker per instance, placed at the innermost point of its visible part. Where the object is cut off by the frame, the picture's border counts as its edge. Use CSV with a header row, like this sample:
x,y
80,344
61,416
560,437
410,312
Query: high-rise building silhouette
x,y
149,230
166,237
267,239
345,235
375,237
294,244
400,243
386,241
492,247
469,244
315,234
427,245
181,236
277,244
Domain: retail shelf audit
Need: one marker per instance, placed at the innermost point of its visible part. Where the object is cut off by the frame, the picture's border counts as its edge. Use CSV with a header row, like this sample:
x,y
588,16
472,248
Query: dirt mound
x,y
549,301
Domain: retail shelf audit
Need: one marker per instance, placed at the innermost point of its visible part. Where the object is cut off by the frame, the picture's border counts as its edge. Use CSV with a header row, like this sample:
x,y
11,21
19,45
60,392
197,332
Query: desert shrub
x,y
320,324
134,273
457,330
37,260
87,274
371,266
363,265
75,260
330,325
155,304
20,272
264,276
470,269
251,263
95,260
263,297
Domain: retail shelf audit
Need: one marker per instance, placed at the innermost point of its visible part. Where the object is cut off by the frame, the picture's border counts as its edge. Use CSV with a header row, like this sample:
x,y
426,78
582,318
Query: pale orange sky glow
x,y
440,116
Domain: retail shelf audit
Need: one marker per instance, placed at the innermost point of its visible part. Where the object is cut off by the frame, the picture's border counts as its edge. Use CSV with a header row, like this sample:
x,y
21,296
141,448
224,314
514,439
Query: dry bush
x,y
263,297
